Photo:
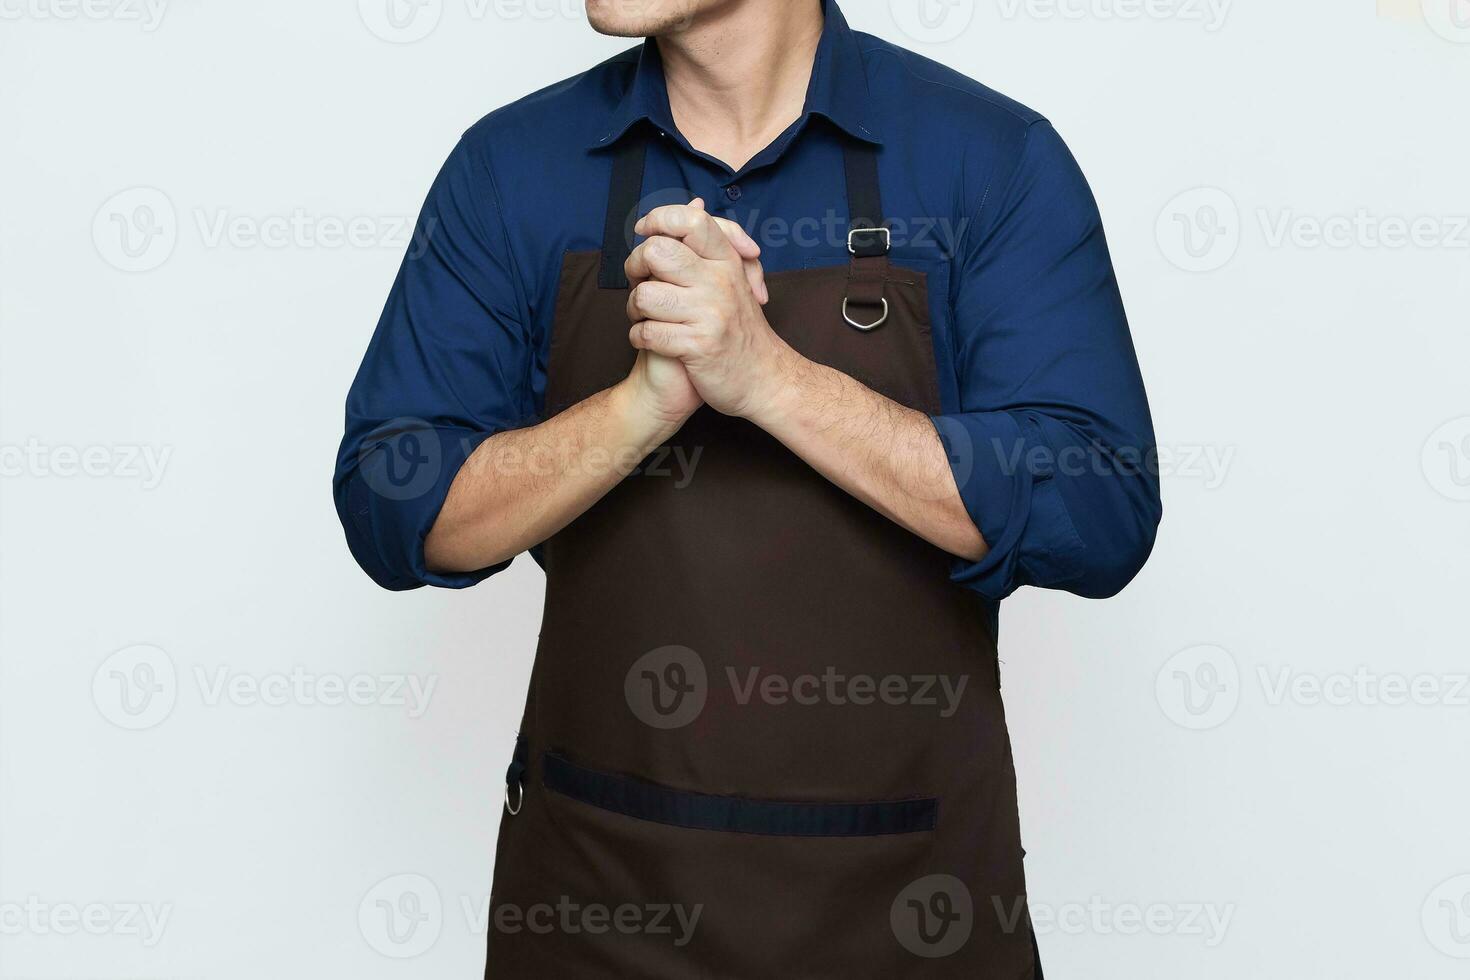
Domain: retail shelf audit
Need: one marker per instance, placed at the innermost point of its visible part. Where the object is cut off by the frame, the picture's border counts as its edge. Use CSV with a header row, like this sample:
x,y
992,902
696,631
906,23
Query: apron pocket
x,y
698,811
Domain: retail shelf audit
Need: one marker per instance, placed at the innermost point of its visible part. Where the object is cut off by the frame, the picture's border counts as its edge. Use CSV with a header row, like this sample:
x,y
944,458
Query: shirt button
x,y
733,192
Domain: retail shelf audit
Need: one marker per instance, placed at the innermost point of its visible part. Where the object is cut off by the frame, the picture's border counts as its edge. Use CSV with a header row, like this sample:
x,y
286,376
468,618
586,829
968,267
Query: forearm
x,y
886,455
521,487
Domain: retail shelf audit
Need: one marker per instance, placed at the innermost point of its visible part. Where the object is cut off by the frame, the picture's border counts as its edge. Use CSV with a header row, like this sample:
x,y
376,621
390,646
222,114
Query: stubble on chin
x,y
641,18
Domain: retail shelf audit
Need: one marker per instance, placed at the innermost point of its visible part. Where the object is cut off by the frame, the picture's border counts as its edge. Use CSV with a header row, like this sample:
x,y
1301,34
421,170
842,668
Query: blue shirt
x,y
1044,414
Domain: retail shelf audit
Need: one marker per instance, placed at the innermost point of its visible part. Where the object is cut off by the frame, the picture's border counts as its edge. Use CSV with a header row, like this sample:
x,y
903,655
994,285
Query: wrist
x,y
779,396
644,423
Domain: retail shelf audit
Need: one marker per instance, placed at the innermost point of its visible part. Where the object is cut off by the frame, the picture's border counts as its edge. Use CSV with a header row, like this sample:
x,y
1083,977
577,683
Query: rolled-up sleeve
x,y
1052,446
447,368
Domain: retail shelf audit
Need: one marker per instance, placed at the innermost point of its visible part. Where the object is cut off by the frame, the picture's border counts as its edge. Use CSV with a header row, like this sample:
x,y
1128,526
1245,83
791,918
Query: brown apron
x,y
764,736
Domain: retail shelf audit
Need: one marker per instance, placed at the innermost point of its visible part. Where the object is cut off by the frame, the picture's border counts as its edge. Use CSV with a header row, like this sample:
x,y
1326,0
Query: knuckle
x,y
659,247
653,297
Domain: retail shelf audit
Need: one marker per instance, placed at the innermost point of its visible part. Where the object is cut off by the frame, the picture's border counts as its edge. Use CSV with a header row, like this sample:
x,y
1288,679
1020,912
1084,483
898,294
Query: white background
x,y
1311,397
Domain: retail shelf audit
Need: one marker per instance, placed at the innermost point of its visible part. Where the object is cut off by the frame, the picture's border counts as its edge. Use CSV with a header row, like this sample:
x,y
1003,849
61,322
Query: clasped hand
x,y
695,305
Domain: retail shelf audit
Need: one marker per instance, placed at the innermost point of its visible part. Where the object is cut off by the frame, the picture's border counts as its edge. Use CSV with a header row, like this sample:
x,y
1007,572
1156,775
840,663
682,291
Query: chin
x,y
642,18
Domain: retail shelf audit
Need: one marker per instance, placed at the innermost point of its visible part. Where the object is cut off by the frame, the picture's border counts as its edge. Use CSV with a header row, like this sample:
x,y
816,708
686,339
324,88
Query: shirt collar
x,y
838,89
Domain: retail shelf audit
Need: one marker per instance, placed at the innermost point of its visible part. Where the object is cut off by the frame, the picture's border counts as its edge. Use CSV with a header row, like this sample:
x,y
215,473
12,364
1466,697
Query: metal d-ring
x,y
865,327
520,799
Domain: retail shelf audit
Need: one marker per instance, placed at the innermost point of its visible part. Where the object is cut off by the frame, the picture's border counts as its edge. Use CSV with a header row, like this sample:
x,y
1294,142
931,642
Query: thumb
x,y
745,246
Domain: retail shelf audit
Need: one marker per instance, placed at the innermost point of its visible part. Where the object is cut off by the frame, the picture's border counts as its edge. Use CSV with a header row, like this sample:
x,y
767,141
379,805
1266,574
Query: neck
x,y
738,76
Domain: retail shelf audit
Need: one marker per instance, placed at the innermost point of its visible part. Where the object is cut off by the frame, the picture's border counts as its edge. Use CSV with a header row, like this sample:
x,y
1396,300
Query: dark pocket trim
x,y
698,811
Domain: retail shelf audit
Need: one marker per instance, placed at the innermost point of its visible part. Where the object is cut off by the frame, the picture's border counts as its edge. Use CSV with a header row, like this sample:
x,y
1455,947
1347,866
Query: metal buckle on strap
x,y
865,326
870,249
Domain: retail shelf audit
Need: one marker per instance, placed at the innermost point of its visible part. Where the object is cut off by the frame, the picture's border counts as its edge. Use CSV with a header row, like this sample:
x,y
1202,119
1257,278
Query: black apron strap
x,y
868,239
868,234
624,193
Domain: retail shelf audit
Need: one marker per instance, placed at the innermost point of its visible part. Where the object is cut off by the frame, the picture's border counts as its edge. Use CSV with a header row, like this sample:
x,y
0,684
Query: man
x,y
788,354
